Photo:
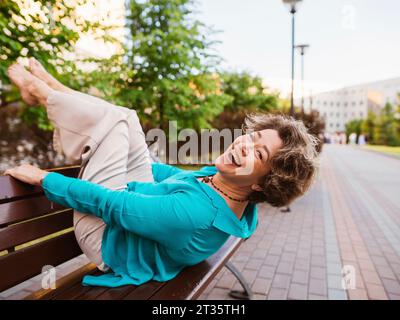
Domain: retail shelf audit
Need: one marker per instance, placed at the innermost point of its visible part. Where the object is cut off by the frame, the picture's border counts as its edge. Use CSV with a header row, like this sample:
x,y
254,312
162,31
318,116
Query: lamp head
x,y
292,4
302,48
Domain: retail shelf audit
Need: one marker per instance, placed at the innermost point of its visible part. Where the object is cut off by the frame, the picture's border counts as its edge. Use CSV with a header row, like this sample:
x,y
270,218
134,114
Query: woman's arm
x,y
162,171
27,173
163,218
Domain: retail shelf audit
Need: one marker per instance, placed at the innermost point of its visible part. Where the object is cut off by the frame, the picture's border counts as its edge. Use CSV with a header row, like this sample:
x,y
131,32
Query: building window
x,y
337,114
331,114
345,104
324,103
361,102
353,103
345,114
331,125
338,104
337,125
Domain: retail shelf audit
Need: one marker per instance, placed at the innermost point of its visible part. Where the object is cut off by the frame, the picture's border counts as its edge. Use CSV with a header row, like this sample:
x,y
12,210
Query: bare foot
x,y
40,72
16,72
38,89
29,84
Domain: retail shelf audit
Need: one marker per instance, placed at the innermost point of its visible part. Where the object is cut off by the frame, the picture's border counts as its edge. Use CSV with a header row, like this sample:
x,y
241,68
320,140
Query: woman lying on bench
x,y
141,220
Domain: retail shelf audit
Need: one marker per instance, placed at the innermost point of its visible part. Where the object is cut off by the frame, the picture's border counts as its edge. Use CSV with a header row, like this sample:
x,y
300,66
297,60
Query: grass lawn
x,y
384,149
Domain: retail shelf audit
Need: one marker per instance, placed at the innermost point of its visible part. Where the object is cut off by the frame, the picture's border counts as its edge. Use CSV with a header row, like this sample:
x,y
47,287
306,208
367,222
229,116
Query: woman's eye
x,y
259,154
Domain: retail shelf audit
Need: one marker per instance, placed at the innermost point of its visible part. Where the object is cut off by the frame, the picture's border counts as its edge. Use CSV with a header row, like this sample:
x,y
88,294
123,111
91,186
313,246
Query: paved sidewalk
x,y
350,218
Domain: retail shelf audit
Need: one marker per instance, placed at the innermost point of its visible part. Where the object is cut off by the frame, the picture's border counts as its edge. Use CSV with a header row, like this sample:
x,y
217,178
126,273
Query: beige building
x,y
343,105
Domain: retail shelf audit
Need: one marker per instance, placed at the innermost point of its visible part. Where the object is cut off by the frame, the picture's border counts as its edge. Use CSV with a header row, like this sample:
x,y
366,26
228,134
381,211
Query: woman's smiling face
x,y
246,161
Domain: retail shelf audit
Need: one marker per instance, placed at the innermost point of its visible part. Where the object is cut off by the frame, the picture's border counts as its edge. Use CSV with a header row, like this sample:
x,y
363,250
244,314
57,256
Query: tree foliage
x,y
47,30
247,94
170,64
380,129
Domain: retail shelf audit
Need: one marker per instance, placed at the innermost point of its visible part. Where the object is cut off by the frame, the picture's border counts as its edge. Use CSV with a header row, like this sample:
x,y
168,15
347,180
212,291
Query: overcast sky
x,y
351,41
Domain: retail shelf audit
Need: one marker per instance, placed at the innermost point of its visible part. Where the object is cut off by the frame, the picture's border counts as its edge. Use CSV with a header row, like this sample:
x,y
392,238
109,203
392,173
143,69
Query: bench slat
x,y
76,290
64,283
116,293
26,263
191,281
92,294
72,293
145,291
24,232
12,189
17,211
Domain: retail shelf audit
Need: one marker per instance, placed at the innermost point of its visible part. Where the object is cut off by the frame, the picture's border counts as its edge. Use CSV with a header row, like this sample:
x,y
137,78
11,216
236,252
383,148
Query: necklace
x,y
210,179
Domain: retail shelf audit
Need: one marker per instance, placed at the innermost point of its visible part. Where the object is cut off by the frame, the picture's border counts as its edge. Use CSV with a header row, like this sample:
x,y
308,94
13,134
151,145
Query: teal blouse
x,y
154,229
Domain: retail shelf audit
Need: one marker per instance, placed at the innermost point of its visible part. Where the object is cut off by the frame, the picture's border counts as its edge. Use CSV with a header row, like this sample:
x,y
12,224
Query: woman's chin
x,y
223,166
219,163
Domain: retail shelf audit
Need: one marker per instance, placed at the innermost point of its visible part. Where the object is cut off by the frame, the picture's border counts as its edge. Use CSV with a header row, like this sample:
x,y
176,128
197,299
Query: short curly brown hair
x,y
293,167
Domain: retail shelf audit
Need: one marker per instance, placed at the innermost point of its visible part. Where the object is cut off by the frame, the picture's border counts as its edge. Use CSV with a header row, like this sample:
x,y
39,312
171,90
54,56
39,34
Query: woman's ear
x,y
256,187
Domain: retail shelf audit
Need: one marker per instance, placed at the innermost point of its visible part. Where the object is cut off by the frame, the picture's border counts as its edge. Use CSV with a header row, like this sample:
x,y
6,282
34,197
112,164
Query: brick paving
x,y
349,219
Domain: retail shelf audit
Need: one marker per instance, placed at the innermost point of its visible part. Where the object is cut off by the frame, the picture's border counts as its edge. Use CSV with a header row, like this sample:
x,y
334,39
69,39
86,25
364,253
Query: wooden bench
x,y
26,215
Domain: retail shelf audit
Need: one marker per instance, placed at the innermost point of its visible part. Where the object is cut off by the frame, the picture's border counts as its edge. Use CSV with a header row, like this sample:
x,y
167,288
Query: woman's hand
x,y
27,173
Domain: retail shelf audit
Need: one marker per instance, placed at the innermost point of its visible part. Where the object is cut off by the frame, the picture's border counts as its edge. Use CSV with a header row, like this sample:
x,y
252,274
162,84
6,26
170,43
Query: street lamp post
x,y
292,7
302,48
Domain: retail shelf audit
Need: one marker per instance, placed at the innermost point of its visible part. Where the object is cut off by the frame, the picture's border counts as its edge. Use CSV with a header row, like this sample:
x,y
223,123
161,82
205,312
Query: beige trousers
x,y
109,144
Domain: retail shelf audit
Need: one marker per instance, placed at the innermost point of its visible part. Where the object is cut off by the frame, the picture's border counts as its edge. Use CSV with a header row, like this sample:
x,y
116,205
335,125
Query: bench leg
x,y
247,294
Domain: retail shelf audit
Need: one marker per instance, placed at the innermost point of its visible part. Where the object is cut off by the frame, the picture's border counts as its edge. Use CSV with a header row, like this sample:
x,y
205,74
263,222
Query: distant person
x,y
361,140
343,138
352,138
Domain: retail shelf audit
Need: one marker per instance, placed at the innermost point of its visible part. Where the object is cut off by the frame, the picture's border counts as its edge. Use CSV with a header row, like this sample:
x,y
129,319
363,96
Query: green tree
x,y
170,65
368,126
248,94
354,126
48,31
388,127
397,119
313,122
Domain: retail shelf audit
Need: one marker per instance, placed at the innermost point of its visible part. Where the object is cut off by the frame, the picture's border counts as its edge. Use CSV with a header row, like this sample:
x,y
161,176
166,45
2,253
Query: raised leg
x,y
74,112
106,166
40,72
33,90
107,141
